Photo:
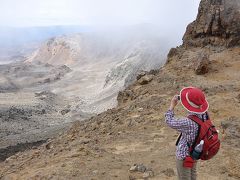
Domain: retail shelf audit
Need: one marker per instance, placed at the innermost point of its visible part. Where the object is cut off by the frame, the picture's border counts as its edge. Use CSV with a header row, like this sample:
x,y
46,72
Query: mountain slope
x,y
107,145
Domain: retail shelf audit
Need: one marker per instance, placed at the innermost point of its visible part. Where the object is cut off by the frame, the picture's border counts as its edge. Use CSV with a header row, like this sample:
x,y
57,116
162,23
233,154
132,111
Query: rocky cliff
x,y
217,23
132,140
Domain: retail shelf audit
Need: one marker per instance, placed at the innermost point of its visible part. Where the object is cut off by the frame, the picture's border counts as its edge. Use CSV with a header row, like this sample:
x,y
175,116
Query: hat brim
x,y
190,108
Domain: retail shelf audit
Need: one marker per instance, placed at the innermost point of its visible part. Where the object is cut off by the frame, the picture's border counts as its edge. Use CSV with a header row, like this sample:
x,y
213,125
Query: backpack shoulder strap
x,y
195,119
199,122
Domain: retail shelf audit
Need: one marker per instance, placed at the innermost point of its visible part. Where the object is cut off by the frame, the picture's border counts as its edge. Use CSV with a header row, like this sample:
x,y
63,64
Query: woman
x,y
194,101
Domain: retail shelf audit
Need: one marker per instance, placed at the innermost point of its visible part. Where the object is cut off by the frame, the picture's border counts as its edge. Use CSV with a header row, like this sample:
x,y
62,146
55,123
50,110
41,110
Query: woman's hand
x,y
174,102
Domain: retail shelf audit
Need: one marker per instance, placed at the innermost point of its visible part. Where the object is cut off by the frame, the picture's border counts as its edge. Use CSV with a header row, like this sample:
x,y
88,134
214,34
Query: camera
x,y
178,97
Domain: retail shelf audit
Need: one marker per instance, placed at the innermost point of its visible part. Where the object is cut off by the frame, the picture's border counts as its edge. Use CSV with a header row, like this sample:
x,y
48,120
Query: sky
x,y
24,13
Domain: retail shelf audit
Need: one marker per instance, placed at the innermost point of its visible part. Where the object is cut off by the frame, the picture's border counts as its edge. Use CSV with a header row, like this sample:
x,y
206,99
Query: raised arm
x,y
181,125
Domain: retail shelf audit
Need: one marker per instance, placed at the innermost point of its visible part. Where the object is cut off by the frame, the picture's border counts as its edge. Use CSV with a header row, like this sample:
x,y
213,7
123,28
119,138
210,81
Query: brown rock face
x,y
145,79
217,24
202,65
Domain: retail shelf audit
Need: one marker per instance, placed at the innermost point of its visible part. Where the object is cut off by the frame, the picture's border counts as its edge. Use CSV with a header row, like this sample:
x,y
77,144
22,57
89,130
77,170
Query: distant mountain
x,y
109,45
17,42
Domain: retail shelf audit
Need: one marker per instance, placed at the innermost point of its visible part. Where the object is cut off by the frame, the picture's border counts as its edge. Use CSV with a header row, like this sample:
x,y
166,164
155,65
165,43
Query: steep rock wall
x,y
217,24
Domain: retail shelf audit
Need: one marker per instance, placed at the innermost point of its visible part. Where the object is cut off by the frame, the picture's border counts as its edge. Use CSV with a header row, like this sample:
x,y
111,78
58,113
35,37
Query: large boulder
x,y
145,79
217,24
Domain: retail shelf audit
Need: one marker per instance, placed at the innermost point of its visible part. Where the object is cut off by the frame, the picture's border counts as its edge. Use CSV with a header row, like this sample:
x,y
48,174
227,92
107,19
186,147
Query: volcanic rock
x,y
138,167
172,52
141,74
217,24
145,79
202,65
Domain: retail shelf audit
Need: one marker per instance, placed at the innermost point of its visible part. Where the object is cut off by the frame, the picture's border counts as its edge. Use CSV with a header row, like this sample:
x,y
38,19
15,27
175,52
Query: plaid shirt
x,y
187,127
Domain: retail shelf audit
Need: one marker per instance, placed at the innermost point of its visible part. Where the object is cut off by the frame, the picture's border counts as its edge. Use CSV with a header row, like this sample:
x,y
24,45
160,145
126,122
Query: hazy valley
x,y
71,77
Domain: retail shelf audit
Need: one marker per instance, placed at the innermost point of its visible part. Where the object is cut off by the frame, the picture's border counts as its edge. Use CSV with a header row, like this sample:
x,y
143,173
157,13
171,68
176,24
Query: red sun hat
x,y
193,99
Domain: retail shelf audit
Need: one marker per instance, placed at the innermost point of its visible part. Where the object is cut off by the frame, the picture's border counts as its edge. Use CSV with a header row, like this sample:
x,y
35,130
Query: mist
x,y
95,12
25,24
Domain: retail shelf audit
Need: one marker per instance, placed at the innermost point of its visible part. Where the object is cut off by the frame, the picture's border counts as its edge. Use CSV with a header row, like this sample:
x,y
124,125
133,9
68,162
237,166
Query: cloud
x,y
96,12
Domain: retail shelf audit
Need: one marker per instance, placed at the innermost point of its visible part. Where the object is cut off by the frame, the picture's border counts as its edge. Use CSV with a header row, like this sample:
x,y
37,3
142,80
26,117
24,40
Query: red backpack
x,y
209,134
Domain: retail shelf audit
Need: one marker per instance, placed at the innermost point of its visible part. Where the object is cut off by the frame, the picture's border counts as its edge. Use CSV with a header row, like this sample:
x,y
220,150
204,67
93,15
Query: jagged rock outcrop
x,y
217,24
202,64
145,80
